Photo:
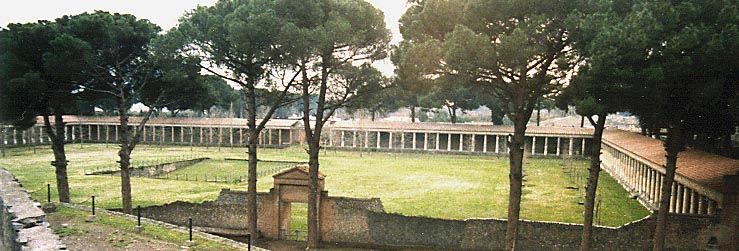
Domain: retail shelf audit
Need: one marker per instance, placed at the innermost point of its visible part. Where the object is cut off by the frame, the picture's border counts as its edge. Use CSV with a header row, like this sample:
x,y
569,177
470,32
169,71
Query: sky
x,y
163,13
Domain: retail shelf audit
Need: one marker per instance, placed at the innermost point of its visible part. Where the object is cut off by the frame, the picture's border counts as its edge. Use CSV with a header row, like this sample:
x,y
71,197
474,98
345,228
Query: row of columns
x,y
150,134
646,182
30,136
432,141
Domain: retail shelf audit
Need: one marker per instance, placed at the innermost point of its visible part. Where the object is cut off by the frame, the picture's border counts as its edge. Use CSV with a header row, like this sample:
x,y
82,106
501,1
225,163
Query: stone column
x,y
379,138
461,142
448,141
220,136
485,143
89,133
641,180
116,134
182,134
533,145
201,135
686,200
290,140
366,139
241,136
437,141
279,136
354,138
673,191
402,140
269,137
210,141
473,145
231,136
192,135
107,134
558,143
679,198
650,188
546,146
260,137
569,150
425,141
582,151
694,203
414,140
390,140
497,143
342,138
659,188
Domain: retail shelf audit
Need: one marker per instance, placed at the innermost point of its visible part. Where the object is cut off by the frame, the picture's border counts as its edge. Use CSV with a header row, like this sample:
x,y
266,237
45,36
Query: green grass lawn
x,y
77,226
442,186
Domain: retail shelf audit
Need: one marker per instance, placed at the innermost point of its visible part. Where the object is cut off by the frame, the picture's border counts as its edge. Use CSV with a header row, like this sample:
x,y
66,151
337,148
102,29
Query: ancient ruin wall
x,y
364,222
23,224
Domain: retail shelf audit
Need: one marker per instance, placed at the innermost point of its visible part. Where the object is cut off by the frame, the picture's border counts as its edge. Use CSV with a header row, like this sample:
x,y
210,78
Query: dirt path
x,y
80,235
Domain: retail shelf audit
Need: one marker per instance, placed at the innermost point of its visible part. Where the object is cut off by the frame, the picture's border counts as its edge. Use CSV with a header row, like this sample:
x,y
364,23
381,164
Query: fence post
x,y
248,239
189,225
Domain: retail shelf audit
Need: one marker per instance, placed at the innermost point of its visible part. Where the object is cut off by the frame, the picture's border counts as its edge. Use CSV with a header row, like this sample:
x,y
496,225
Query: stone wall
x,y
23,224
394,230
363,222
154,170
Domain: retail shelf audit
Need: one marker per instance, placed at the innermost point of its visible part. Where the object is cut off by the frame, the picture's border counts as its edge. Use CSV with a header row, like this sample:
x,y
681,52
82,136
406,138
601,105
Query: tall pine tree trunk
x,y
674,145
253,134
124,155
452,114
313,226
56,135
515,179
413,114
252,185
592,188
538,113
521,115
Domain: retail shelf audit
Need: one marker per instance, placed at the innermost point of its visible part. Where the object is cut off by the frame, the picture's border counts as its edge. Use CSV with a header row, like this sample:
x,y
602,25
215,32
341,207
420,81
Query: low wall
x,y
23,224
363,222
154,170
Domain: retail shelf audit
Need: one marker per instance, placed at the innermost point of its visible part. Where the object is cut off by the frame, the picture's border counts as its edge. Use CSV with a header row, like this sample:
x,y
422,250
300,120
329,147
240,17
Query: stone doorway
x,y
290,196
296,228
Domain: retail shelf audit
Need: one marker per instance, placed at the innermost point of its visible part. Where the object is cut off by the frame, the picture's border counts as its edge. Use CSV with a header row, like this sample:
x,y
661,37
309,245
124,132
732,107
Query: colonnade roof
x,y
460,127
273,123
704,168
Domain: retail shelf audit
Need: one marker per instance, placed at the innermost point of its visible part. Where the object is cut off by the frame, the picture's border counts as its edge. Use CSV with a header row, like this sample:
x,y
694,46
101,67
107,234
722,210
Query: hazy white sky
x,y
162,13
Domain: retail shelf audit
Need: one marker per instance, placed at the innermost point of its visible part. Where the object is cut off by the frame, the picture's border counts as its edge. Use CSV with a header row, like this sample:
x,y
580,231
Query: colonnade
x,y
151,134
644,180
474,142
32,136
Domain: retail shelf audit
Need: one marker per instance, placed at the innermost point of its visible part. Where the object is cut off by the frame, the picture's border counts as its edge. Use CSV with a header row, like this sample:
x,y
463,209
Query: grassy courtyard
x,y
442,186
